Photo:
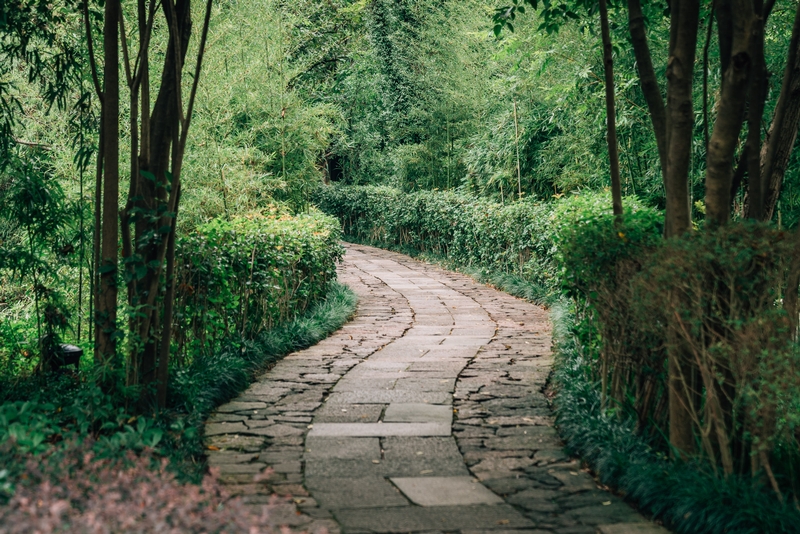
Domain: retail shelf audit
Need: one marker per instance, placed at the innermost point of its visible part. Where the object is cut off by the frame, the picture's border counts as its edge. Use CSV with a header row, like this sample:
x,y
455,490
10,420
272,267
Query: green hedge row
x,y
513,239
249,274
521,238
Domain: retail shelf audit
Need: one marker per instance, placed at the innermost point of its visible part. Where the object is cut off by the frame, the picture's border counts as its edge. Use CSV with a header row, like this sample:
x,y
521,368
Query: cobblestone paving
x,y
425,413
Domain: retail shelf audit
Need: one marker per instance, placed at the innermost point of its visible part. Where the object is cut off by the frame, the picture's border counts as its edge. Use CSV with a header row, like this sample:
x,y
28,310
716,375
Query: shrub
x,y
249,274
719,292
600,255
71,490
511,239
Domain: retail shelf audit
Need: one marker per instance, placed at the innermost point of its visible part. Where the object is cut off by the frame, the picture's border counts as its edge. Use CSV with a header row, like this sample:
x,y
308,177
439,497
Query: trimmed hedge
x,y
246,275
280,269
471,232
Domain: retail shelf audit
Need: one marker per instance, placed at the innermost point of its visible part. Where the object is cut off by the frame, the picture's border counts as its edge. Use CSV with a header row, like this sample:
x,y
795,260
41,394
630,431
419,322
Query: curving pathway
x,y
426,413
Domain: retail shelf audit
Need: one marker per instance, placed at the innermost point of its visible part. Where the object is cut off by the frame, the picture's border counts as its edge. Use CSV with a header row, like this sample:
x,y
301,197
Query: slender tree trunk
x,y
106,311
611,112
783,131
648,80
757,95
680,116
163,123
730,114
162,374
94,285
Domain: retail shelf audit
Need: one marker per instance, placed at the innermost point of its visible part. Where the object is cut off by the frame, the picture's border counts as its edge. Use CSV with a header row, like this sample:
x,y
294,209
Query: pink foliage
x,y
79,493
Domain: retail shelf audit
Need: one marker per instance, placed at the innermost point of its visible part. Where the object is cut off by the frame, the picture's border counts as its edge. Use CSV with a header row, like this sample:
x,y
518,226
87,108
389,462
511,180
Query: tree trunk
x,y
733,96
783,131
757,95
157,193
648,81
680,115
106,310
611,113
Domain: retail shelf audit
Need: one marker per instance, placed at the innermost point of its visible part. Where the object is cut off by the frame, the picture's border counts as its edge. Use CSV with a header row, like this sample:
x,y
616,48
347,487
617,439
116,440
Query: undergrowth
x,y
38,419
686,496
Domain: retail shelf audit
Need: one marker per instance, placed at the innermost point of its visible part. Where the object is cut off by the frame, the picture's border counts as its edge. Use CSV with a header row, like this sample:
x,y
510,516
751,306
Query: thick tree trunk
x,y
611,113
724,32
680,115
106,310
730,114
648,80
680,70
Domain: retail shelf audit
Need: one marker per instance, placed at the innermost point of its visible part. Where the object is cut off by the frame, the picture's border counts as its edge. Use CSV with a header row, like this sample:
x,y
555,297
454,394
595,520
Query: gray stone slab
x,y
235,406
418,413
376,396
379,429
392,465
235,442
466,341
530,441
444,518
426,384
214,429
445,491
344,448
365,492
348,413
382,365
358,383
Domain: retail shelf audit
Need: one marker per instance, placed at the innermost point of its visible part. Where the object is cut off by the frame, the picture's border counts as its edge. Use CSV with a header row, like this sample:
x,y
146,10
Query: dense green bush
x,y
248,292
600,256
515,238
720,291
246,275
687,496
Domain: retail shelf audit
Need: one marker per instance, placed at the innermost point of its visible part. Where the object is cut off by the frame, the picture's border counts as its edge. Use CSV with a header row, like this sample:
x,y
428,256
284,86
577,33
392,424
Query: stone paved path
x,y
423,414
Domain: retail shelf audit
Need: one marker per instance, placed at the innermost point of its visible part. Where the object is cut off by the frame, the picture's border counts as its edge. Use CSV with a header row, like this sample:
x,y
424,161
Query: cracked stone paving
x,y
425,413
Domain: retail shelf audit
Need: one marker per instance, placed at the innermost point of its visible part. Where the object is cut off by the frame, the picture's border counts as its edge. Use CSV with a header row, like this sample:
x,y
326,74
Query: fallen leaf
x,y
606,503
212,448
376,461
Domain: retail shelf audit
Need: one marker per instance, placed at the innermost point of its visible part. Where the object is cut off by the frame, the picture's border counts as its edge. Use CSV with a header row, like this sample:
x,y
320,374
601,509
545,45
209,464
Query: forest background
x,y
419,95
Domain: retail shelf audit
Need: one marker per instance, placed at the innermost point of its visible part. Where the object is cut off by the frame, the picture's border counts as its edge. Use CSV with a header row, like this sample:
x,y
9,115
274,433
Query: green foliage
x,y
62,411
247,275
468,231
213,378
721,291
687,497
